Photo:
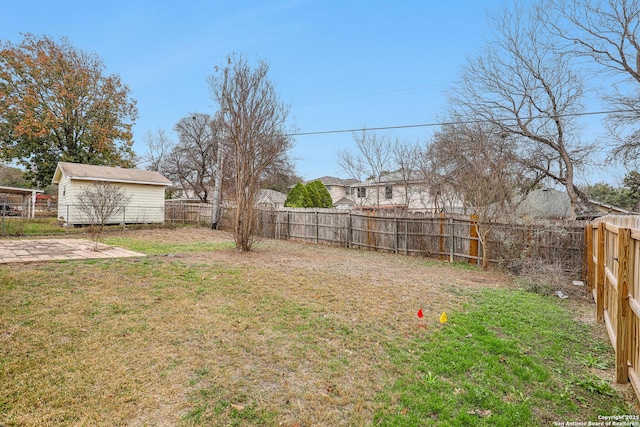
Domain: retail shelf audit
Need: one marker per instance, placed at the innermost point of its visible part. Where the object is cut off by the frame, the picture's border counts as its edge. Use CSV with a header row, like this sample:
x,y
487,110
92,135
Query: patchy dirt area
x,y
404,283
397,274
384,289
302,331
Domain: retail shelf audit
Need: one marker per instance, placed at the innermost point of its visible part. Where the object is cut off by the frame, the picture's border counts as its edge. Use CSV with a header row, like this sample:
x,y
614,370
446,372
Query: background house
x,y
547,203
338,188
392,191
270,199
144,188
395,191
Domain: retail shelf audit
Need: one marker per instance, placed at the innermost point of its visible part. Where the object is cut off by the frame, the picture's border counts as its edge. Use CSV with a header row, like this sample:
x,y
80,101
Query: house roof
x,y
344,202
550,203
397,177
107,173
545,203
331,180
271,195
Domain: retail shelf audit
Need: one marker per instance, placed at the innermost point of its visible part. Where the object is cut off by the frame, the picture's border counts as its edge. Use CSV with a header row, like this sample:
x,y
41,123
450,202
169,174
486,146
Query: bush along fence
x,y
613,265
451,238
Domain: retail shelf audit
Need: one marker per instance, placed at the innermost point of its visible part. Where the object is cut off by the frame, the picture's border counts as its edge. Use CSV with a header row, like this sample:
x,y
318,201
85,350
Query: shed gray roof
x,y
107,173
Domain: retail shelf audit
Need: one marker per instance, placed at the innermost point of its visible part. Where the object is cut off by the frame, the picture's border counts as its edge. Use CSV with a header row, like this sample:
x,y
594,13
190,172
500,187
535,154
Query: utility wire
x,y
457,122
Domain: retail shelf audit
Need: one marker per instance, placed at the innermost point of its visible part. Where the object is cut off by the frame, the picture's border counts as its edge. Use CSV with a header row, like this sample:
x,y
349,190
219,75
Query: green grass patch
x,y
507,360
287,335
15,226
160,248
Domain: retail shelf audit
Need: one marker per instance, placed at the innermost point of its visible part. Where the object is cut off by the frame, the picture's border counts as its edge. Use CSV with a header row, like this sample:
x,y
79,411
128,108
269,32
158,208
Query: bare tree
x,y
281,175
528,91
407,157
608,33
192,161
482,170
101,202
373,158
158,148
254,126
438,195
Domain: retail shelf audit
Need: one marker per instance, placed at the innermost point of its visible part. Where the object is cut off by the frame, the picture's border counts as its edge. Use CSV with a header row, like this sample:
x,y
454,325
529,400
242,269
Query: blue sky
x,y
339,64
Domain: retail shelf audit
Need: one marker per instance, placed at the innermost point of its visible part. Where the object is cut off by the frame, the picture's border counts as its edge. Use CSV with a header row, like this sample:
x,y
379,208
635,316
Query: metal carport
x,y
28,196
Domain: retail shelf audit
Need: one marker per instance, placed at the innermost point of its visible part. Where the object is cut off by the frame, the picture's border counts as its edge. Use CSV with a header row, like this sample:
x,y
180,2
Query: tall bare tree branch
x,y
528,91
372,158
607,33
254,121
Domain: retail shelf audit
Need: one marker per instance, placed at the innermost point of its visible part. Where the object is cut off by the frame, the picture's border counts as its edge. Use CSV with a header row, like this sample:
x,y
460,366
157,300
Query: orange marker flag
x,y
420,315
443,317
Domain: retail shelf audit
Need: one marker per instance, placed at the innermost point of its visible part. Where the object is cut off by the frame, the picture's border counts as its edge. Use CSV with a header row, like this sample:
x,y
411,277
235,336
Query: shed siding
x,y
64,198
146,204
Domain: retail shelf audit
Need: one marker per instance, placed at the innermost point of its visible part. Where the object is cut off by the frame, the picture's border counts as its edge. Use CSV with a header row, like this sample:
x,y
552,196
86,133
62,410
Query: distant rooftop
x,y
107,173
332,180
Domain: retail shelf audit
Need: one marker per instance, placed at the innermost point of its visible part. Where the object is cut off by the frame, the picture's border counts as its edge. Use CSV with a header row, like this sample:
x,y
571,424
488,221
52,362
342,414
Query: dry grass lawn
x,y
289,334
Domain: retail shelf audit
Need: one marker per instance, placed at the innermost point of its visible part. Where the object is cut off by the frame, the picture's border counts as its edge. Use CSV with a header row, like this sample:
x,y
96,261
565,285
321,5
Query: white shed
x,y
145,190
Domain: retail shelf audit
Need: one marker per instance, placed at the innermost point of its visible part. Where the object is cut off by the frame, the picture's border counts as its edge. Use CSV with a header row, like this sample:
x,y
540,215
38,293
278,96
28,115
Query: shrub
x,y
311,195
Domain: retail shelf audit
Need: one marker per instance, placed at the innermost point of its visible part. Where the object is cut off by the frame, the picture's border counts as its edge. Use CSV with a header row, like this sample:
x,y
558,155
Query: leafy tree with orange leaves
x,y
56,104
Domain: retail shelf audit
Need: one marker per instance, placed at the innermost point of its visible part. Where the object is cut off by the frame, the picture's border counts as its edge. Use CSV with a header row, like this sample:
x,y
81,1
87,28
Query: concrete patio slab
x,y
58,249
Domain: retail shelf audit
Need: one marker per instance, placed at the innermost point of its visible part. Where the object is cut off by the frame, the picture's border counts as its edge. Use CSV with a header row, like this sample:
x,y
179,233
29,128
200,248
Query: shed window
x,y
388,192
64,190
362,192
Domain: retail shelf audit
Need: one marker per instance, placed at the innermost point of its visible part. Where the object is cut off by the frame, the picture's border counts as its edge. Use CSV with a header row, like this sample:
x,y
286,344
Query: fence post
x,y
588,261
317,227
349,231
395,249
600,274
406,236
441,240
473,240
451,242
588,258
623,329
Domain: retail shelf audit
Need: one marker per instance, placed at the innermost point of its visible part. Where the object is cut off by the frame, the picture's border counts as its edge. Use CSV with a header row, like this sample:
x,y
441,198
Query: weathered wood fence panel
x,y
452,238
188,213
613,262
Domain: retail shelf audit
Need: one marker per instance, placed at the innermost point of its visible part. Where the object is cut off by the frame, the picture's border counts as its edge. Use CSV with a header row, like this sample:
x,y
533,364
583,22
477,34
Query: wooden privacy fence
x,y
188,213
453,238
613,266
433,236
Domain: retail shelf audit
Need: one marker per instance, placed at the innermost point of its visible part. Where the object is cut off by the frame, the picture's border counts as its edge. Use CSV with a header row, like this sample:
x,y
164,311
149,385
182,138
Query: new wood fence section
x,y
452,238
613,265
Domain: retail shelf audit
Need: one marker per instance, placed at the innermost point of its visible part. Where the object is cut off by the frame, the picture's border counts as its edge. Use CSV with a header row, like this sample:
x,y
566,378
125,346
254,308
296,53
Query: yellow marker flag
x,y
443,317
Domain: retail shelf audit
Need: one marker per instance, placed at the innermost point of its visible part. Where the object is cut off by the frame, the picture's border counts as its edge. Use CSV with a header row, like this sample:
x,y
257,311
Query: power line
x,y
457,122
